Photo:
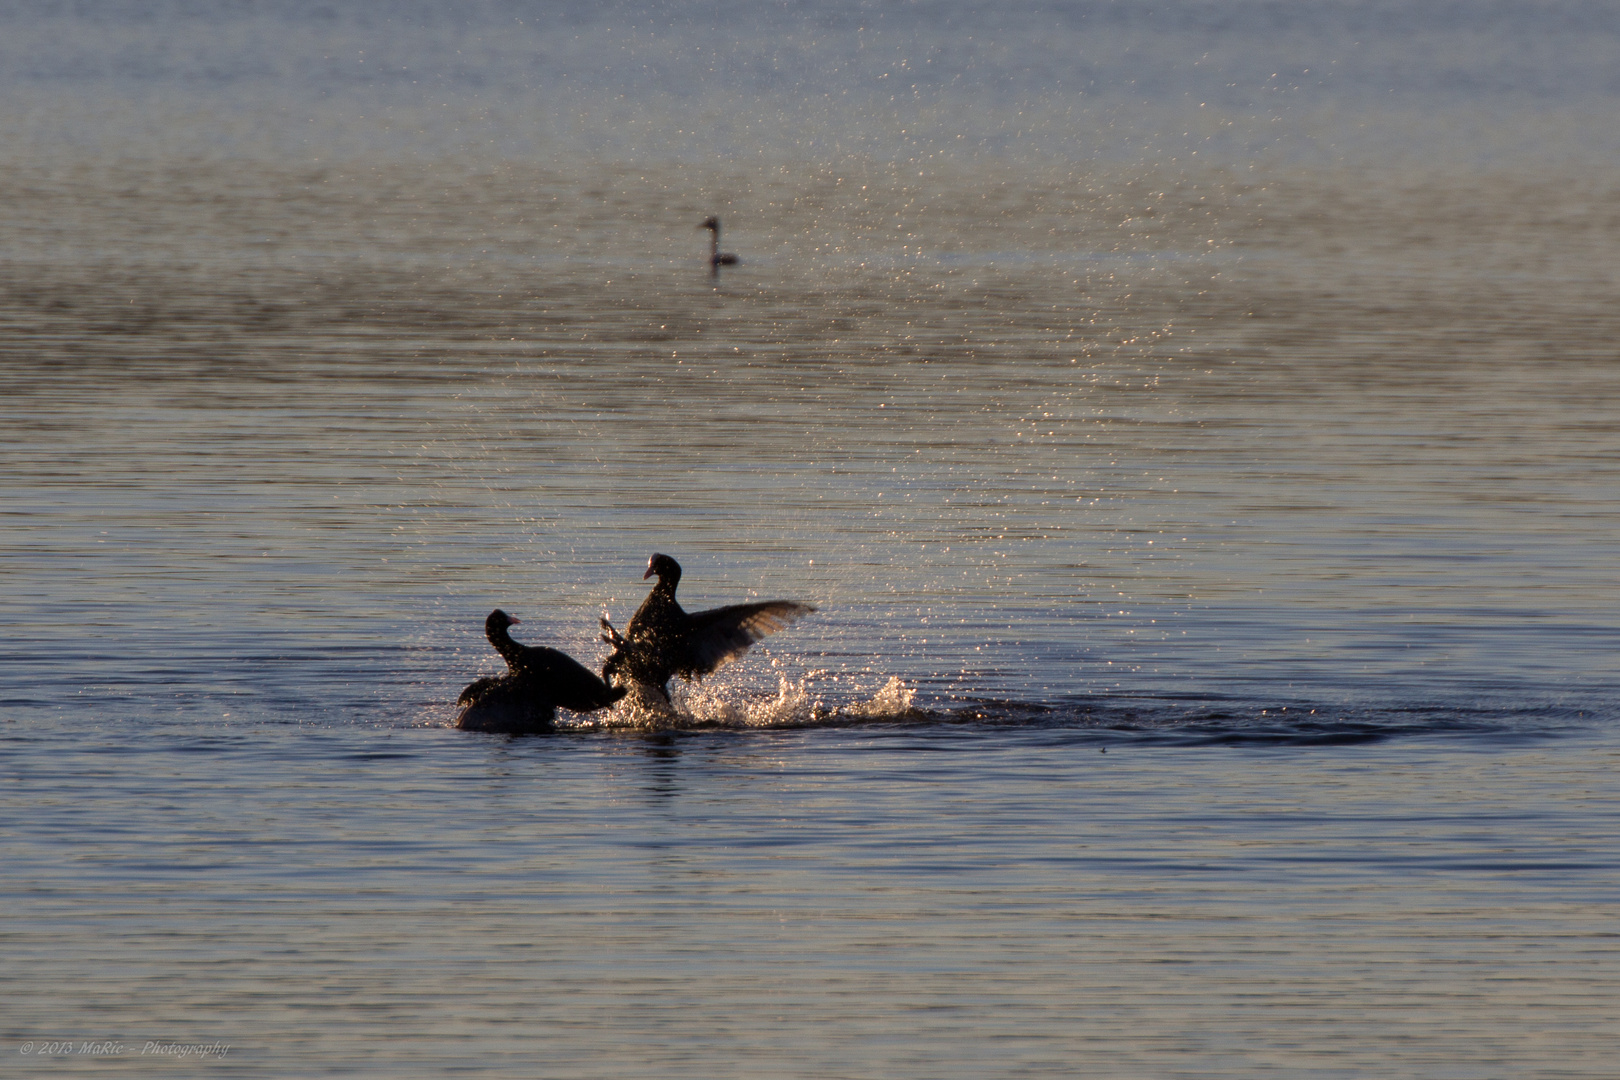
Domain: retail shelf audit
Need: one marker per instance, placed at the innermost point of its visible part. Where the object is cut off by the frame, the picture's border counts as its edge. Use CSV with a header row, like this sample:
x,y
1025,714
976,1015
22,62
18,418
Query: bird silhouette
x,y
717,258
524,701
663,639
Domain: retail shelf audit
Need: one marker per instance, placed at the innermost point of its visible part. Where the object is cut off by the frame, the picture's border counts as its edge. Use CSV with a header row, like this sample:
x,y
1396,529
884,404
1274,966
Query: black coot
x,y
663,639
538,680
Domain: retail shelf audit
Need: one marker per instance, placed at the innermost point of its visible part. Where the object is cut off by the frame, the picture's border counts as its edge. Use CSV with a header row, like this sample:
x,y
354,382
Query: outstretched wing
x,y
723,634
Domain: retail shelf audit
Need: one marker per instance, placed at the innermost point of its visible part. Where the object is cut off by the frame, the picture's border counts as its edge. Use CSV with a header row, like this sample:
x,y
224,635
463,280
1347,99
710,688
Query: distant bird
x,y
664,640
524,701
717,258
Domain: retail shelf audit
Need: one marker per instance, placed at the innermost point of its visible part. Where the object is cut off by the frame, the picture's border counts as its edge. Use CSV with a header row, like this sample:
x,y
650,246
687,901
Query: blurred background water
x,y
1194,422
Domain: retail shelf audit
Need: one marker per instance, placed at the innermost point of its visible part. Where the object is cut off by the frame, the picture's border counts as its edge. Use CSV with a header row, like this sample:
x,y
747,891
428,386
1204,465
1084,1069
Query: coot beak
x,y
648,574
513,619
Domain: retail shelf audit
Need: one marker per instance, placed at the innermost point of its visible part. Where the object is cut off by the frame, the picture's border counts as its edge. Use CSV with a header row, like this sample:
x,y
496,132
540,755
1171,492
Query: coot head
x,y
712,224
499,620
664,568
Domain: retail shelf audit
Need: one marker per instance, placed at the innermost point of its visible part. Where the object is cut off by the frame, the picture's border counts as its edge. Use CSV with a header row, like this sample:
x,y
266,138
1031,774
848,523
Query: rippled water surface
x,y
1195,428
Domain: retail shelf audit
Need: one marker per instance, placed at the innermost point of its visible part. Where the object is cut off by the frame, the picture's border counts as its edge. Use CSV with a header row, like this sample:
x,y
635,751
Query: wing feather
x,y
721,635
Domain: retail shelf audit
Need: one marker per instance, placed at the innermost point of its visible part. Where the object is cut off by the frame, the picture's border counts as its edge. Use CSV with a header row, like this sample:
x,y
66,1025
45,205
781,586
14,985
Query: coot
x,y
664,640
537,681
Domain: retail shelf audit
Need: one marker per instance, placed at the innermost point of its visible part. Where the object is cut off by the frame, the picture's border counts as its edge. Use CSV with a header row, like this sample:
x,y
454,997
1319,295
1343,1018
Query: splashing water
x,y
698,706
893,702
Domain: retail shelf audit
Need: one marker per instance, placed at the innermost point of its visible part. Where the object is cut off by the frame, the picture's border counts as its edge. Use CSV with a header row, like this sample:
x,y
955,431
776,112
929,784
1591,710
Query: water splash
x,y
895,701
795,704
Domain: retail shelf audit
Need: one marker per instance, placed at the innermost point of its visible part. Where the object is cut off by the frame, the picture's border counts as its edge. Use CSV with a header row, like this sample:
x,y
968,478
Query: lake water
x,y
1196,426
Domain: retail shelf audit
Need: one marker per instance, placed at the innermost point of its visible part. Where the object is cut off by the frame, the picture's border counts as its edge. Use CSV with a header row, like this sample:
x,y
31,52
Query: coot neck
x,y
510,650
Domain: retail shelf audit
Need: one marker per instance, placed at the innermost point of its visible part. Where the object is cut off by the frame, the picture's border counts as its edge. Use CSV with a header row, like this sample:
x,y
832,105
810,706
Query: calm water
x,y
1196,427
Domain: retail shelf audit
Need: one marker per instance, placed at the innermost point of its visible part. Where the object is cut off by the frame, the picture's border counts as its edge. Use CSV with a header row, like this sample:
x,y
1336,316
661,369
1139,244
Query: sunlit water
x,y
1196,429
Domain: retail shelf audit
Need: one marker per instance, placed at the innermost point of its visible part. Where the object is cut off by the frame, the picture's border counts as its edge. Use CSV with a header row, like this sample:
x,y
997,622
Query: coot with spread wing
x,y
664,640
